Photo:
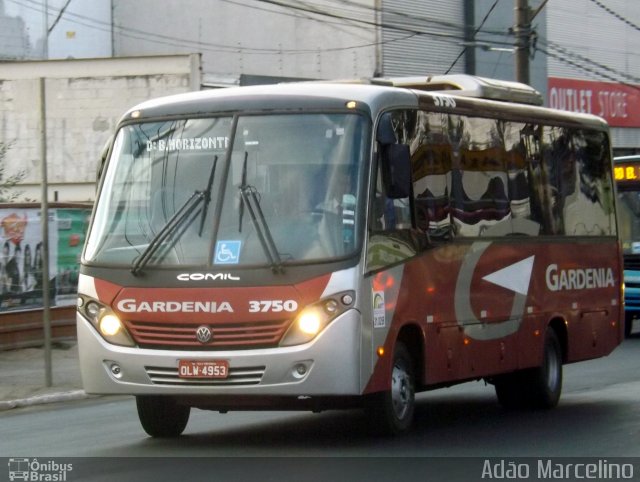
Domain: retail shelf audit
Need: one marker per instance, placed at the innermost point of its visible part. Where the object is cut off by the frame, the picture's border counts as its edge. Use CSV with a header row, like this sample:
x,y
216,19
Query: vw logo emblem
x,y
203,334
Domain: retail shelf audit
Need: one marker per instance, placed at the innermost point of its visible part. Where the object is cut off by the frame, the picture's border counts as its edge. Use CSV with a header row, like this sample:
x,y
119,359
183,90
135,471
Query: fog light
x,y
300,370
116,370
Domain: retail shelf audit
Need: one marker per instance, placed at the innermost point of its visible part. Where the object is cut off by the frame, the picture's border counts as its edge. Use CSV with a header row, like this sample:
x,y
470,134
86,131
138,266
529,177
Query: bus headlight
x,y
310,322
110,325
105,322
315,318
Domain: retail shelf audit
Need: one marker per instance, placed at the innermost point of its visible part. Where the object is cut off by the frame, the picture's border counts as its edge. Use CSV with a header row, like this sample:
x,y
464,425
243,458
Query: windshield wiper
x,y
207,194
176,221
249,195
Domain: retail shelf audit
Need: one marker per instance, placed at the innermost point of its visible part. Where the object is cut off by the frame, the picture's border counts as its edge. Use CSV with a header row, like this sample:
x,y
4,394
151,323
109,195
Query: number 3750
x,y
274,306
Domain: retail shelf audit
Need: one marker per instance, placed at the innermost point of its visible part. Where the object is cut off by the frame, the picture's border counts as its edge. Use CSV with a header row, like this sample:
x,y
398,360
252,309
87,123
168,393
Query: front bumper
x,y
331,361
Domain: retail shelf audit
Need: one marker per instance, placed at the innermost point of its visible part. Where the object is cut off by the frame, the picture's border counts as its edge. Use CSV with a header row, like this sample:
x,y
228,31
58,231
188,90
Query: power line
x,y
475,32
280,11
138,34
60,13
615,14
585,68
564,51
580,62
371,23
402,17
167,39
406,27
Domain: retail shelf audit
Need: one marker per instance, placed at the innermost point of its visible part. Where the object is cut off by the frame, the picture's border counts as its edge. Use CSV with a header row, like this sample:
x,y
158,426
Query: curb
x,y
42,399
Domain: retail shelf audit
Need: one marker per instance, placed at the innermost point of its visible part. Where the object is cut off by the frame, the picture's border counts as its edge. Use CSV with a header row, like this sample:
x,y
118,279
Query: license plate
x,y
203,368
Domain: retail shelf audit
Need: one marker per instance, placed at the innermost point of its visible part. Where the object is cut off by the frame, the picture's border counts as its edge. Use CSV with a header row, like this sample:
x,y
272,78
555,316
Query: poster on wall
x,y
21,261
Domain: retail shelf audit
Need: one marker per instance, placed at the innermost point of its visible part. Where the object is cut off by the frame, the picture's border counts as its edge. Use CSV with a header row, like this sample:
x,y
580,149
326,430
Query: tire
x,y
161,416
536,387
545,382
391,412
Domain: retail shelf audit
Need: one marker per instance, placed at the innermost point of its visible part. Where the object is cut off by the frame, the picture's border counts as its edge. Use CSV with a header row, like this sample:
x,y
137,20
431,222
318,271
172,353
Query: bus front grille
x,y
224,336
238,376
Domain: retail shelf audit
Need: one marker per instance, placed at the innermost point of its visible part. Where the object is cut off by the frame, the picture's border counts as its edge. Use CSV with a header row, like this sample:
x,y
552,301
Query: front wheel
x,y
161,416
391,412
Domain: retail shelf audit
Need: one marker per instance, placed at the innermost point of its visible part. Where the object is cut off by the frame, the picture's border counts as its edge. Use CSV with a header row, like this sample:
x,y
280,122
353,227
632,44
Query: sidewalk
x,y
22,376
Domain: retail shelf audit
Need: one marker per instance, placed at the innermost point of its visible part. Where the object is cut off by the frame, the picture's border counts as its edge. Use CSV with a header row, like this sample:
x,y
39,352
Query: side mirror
x,y
395,159
396,170
385,134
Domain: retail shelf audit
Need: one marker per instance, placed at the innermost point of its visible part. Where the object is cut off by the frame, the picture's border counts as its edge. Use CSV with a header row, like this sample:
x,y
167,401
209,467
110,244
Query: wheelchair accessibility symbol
x,y
227,252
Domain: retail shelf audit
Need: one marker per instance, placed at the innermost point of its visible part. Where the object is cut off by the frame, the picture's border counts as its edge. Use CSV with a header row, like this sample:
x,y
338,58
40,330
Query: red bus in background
x,y
326,245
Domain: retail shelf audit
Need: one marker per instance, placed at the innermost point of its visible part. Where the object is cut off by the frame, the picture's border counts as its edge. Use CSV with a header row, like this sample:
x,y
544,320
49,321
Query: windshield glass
x,y
629,219
252,190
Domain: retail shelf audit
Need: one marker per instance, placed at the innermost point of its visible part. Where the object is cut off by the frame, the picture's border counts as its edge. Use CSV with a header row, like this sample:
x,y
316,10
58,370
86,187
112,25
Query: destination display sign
x,y
626,172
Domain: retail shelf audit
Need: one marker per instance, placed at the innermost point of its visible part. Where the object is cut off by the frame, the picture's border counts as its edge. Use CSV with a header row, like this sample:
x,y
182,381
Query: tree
x,y
7,182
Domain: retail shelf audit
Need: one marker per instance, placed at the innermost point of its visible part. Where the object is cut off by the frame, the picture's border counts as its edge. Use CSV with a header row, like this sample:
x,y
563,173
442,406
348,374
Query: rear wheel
x,y
391,412
545,382
538,387
161,416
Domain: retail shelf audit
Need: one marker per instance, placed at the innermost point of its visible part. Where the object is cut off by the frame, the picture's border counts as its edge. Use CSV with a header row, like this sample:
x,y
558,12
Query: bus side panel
x,y
580,287
484,307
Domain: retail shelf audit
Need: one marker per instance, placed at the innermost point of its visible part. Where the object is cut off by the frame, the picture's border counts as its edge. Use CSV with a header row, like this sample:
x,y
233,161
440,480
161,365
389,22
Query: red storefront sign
x,y
618,104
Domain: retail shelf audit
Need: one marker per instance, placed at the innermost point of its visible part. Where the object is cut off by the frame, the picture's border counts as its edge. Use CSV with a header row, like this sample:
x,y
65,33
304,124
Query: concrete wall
x,y
84,101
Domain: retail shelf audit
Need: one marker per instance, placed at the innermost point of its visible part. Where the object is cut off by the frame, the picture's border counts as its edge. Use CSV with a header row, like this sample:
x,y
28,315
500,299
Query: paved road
x,y
599,416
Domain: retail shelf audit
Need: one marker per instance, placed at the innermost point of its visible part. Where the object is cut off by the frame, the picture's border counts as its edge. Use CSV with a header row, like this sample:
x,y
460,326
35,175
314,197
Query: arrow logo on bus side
x,y
515,277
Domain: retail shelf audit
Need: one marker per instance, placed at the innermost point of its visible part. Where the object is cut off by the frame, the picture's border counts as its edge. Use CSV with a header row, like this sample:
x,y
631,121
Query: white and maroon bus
x,y
327,245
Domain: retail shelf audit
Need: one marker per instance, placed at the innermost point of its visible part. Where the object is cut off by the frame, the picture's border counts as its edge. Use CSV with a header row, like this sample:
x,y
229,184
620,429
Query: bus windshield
x,y
245,190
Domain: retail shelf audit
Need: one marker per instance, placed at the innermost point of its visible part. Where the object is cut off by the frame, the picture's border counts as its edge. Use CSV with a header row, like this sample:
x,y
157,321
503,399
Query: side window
x,y
479,181
520,148
431,163
471,179
559,181
570,185
588,201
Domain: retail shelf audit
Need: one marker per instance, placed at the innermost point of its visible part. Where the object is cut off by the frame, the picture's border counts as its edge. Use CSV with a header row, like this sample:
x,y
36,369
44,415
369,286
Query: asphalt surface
x,y
23,376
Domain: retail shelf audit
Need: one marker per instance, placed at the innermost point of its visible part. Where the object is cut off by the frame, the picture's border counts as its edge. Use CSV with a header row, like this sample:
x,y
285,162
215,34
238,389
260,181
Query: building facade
x,y
584,55
82,101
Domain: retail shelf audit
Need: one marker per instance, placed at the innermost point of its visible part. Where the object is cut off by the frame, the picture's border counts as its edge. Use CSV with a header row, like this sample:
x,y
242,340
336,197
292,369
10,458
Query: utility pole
x,y
45,31
522,32
44,220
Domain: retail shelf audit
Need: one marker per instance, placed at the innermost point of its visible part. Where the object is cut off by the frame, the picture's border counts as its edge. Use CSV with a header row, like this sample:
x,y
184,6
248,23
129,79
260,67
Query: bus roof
x,y
370,98
631,158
